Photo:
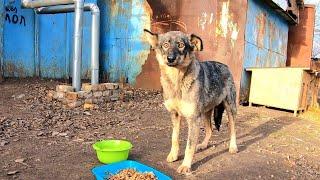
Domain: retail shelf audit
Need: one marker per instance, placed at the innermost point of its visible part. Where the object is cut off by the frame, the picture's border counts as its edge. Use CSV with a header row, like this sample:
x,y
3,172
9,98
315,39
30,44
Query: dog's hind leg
x,y
193,134
174,152
208,130
231,116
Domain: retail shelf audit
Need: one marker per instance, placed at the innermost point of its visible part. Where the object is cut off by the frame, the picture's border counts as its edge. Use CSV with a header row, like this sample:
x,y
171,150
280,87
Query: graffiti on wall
x,y
12,16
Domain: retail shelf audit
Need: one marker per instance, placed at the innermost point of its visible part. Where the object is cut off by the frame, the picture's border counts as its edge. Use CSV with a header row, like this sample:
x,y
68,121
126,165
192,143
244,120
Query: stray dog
x,y
193,90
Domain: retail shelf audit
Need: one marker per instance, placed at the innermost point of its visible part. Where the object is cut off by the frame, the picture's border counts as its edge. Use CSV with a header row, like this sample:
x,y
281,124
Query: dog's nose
x,y
171,58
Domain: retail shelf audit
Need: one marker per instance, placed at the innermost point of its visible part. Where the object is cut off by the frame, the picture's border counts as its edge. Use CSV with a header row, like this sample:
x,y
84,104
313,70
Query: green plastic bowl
x,y
110,151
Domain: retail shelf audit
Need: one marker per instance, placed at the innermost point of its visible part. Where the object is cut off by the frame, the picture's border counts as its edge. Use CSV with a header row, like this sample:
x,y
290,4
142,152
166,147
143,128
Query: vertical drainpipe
x,y
77,51
95,27
36,46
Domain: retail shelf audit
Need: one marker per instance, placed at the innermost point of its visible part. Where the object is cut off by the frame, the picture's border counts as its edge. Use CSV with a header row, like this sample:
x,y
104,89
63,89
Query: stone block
x,y
64,88
111,86
107,93
59,95
72,95
86,87
90,101
97,94
95,87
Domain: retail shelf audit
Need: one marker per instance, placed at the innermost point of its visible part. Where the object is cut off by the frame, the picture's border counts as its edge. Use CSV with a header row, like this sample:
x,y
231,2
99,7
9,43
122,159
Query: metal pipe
x,y
95,33
77,50
41,3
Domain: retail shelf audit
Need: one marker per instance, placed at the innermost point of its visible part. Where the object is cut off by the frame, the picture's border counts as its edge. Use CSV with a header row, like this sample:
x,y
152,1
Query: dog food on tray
x,y
132,174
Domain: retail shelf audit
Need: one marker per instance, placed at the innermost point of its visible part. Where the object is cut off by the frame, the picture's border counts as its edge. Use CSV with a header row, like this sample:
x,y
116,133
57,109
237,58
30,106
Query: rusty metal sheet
x,y
220,24
266,40
300,41
123,47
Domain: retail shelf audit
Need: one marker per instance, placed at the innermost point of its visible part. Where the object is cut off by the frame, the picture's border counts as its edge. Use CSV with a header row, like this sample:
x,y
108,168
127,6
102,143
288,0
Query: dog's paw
x,y
182,169
233,150
172,157
201,147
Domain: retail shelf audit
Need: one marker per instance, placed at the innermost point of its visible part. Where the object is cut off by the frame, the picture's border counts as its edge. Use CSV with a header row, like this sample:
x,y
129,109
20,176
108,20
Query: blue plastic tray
x,y
101,172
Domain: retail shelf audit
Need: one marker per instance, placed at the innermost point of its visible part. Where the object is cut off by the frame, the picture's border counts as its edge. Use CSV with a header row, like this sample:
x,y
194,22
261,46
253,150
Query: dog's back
x,y
217,84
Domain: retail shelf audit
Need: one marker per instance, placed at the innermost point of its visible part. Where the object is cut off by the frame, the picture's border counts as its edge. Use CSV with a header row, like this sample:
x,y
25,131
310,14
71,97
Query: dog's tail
x,y
218,112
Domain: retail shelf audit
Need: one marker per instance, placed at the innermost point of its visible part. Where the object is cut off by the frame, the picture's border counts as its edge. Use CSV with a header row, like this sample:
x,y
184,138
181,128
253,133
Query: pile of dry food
x,y
132,174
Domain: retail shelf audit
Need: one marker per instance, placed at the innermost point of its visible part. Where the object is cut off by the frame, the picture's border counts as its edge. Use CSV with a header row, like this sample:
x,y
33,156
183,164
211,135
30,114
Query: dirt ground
x,y
41,140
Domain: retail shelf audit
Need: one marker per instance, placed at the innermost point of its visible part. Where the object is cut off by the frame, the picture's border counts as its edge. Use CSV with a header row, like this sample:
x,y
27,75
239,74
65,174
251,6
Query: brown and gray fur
x,y
193,90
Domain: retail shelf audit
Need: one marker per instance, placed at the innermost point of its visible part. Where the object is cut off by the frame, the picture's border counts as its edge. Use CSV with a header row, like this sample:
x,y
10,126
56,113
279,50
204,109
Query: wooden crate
x,y
284,88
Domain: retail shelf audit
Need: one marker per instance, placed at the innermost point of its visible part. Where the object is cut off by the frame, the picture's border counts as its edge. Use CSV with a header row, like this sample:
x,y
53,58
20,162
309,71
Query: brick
x,y
116,93
75,104
71,95
88,106
90,101
82,94
88,95
106,93
86,87
95,87
64,88
50,95
97,94
111,86
101,87
59,95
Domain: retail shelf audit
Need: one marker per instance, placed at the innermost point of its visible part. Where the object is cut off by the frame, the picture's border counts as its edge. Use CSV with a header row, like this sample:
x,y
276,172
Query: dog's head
x,y
174,48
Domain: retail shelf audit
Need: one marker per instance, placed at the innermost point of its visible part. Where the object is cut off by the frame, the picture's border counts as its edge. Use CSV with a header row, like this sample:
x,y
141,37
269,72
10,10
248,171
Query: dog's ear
x,y
196,43
152,38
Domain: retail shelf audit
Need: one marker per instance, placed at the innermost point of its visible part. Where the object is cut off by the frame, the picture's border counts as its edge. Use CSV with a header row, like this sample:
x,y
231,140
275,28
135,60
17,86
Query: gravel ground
x,y
42,140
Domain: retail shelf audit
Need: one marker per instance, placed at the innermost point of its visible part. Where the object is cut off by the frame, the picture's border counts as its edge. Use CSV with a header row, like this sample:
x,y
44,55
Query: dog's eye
x,y
165,45
180,45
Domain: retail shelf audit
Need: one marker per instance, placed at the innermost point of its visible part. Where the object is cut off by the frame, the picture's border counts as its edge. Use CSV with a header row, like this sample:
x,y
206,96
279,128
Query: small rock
x,y
114,98
54,133
40,133
3,143
20,160
63,134
10,173
87,113
20,96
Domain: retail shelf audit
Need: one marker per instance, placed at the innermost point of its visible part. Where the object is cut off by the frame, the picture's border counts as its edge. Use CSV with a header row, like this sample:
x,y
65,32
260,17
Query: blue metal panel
x,y
52,45
18,40
266,39
123,50
1,36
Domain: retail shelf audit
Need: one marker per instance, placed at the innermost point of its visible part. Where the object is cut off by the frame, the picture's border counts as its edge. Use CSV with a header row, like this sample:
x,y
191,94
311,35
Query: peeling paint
x,y
266,40
225,26
128,49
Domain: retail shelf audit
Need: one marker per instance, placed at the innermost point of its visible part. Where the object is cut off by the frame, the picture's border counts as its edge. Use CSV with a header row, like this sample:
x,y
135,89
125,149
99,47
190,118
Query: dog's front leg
x,y
174,152
193,134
